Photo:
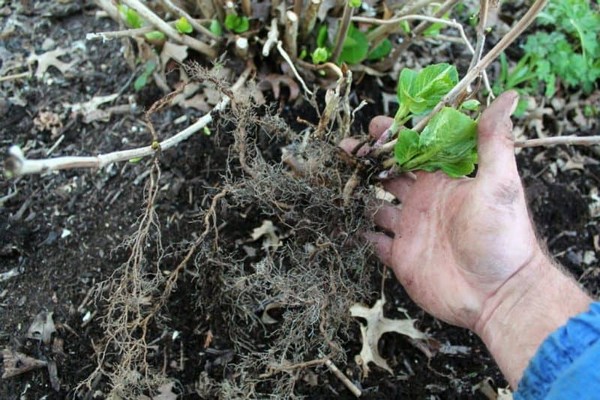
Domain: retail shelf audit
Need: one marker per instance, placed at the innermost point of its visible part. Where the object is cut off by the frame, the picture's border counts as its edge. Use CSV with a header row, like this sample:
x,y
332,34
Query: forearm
x,y
525,310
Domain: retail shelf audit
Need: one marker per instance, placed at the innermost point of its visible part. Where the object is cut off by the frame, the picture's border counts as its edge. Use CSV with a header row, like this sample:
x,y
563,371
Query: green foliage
x,y
380,51
320,55
355,48
570,50
237,23
155,36
419,92
142,80
183,25
354,3
131,18
448,143
215,28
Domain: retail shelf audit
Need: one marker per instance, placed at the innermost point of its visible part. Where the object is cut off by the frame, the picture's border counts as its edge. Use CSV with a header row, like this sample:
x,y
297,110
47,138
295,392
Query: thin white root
x,y
560,140
287,58
17,164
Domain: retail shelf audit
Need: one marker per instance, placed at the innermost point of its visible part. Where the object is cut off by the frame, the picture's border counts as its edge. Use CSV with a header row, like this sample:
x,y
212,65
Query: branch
x,y
156,21
17,164
342,32
560,140
473,73
107,35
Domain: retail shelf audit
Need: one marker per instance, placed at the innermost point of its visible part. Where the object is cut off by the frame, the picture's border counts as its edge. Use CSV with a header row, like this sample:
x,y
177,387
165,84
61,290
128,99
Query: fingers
x,y
400,186
495,139
382,244
378,125
387,217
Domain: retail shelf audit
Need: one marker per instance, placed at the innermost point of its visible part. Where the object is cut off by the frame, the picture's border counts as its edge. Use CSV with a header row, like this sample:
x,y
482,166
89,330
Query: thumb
x,y
495,142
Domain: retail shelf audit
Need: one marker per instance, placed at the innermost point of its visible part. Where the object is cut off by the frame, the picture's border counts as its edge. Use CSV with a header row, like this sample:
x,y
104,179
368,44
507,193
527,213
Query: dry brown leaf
x,y
15,363
377,325
274,81
173,51
49,59
48,121
42,327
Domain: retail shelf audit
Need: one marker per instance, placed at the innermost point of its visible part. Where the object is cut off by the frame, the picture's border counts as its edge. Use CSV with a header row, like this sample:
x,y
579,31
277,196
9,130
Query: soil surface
x,y
63,233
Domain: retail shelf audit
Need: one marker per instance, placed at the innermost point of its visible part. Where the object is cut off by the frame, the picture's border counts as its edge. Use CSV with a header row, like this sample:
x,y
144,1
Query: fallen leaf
x,y
48,121
42,327
173,51
274,81
15,363
377,325
50,59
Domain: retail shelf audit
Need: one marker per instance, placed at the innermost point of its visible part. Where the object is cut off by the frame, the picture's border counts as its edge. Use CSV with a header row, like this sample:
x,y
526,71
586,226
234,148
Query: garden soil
x,y
63,233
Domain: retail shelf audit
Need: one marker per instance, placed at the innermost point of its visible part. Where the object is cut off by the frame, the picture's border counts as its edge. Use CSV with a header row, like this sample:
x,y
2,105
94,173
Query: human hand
x,y
454,242
465,249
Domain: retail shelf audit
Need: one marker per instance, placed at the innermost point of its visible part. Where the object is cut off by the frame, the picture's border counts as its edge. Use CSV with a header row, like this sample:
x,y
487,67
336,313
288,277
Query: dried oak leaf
x,y
274,81
50,59
15,363
377,325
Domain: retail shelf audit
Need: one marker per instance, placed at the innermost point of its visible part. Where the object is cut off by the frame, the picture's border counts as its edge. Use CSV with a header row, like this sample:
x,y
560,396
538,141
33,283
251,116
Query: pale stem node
x,y
242,47
290,36
247,8
182,13
272,38
474,72
161,25
287,58
309,19
17,164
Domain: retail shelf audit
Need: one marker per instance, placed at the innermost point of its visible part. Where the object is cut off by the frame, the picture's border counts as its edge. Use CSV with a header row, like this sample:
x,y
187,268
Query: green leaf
x,y
131,18
355,48
237,23
183,25
380,51
448,143
407,146
354,3
420,92
155,36
142,80
470,105
320,55
215,28
322,36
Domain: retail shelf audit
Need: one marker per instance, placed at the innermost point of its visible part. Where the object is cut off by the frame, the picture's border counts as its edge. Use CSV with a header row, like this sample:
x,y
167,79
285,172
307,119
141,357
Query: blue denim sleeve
x,y
567,364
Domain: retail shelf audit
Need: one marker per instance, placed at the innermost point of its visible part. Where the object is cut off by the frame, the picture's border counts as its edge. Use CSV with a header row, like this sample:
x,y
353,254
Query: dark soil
x,y
62,232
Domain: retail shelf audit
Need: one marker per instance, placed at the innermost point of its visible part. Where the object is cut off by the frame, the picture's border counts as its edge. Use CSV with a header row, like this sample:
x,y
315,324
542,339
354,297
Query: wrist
x,y
529,306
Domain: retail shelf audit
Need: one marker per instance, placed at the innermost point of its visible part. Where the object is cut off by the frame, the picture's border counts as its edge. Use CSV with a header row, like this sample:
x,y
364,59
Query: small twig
x,y
472,74
342,32
182,13
393,21
287,58
340,375
328,65
247,8
481,34
156,21
18,165
15,76
560,140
